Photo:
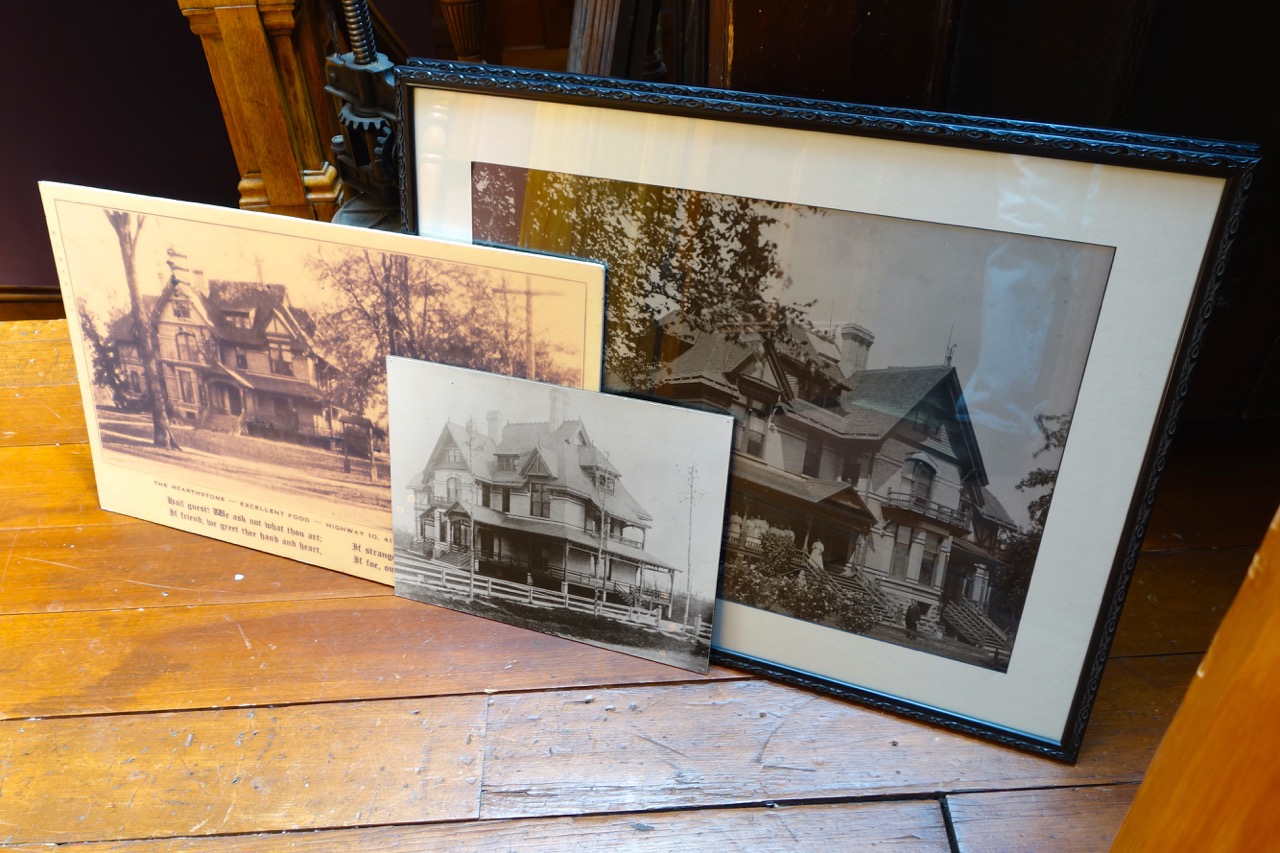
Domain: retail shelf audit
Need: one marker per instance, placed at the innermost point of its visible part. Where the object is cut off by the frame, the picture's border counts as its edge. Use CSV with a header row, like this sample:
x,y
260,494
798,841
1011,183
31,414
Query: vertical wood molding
x,y
594,36
273,103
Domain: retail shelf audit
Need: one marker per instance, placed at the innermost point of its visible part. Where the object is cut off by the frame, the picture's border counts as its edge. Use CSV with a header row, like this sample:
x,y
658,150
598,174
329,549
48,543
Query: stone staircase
x,y
856,584
221,422
974,626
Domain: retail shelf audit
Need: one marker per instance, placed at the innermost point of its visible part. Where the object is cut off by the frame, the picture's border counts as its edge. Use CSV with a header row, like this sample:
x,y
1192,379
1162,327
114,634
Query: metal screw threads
x,y
360,31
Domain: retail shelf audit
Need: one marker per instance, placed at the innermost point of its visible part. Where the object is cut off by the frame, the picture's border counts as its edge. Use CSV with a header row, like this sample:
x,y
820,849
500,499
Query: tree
x,y
127,227
108,370
392,304
1021,549
706,255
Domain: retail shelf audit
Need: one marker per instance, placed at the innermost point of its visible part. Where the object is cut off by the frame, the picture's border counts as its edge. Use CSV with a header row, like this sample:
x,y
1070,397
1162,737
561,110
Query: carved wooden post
x,y
265,57
465,22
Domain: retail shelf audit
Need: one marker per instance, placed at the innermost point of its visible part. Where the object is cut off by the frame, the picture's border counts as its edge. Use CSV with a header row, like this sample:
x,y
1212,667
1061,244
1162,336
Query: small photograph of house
x,y
902,390
588,516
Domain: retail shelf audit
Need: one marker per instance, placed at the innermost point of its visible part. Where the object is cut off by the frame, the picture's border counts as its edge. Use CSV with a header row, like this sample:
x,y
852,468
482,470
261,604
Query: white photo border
x,y
1170,207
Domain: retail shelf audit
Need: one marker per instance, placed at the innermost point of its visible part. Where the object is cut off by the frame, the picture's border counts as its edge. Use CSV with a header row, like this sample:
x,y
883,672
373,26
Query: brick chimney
x,y
495,425
855,343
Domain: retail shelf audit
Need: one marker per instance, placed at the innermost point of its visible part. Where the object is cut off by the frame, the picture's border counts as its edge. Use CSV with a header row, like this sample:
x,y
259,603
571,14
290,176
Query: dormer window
x,y
236,319
605,482
506,463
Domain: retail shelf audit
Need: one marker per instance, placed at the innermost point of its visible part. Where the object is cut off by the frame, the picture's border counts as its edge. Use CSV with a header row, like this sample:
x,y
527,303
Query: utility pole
x,y
688,553
528,292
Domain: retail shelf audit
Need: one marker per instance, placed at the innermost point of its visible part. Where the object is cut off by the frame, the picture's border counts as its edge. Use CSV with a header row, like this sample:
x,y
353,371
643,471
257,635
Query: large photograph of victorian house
x,y
902,391
559,510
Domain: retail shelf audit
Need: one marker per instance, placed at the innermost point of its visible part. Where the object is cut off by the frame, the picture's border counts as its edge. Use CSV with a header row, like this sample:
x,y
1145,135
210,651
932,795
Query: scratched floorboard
x,y
1053,820
173,658
632,748
906,827
241,770
50,486
139,564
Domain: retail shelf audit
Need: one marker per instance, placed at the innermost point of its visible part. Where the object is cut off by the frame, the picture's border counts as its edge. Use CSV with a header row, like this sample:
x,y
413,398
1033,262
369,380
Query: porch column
x,y
265,60
915,555
944,557
981,586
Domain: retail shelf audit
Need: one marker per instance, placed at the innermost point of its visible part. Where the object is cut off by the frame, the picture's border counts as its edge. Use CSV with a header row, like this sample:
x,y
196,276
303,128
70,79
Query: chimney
x,y
855,342
495,425
557,409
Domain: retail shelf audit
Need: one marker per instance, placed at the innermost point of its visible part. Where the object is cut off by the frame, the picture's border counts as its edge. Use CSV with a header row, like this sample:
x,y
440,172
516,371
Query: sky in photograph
x,y
1016,313
244,254
664,455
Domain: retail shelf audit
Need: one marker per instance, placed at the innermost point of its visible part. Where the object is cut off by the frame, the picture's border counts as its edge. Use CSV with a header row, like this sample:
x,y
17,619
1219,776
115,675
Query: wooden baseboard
x,y
30,303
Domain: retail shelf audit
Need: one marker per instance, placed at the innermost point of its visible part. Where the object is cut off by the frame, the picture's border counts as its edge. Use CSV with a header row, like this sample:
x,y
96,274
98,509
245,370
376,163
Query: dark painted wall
x,y
106,94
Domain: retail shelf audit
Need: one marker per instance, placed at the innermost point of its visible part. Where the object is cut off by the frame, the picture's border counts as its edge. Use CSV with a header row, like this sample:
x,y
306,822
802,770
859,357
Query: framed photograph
x,y
588,516
233,364
954,349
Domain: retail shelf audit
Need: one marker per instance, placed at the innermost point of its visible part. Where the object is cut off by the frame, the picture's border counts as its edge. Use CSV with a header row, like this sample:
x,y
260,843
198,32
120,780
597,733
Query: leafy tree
x,y
771,582
706,255
127,227
1014,577
108,369
392,304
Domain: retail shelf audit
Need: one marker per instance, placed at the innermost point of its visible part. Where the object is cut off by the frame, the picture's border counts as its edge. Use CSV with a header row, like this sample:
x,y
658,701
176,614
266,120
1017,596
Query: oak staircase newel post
x,y
262,56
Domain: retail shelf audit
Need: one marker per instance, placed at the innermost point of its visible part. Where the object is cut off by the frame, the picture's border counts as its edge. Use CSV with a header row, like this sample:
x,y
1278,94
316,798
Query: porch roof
x,y
828,495
270,384
556,530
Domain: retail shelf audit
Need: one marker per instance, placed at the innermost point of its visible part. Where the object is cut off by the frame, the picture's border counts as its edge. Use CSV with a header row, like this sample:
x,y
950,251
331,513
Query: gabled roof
x,y
715,359
569,465
878,399
263,302
994,511
712,359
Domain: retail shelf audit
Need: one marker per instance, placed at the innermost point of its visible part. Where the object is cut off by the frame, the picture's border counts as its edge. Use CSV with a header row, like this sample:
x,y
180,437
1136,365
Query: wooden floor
x,y
159,691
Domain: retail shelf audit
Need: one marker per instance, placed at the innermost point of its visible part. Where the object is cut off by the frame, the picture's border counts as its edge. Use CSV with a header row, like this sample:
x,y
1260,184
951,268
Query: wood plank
x,y
36,360
50,486
635,748
174,658
160,775
39,393
1238,464
26,330
901,827
1177,600
1057,820
38,481
139,564
49,414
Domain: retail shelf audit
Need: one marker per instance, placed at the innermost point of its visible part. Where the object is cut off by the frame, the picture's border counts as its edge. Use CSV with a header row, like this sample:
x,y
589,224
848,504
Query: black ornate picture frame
x,y
955,348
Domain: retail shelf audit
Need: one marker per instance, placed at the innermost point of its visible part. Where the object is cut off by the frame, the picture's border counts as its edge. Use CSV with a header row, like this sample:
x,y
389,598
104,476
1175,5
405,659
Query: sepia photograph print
x,y
234,363
901,390
588,516
954,349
